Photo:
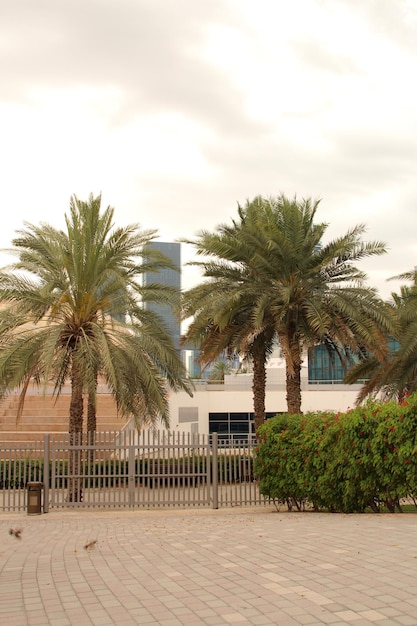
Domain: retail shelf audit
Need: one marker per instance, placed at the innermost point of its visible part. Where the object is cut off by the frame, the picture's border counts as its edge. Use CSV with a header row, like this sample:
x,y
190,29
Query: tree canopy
x,y
271,277
74,310
394,375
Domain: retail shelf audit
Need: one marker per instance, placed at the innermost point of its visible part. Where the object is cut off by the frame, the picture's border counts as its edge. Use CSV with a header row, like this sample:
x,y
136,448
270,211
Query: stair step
x,y
46,414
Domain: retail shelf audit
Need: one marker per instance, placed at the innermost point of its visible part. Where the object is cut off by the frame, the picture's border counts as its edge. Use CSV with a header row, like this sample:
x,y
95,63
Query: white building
x,y
227,408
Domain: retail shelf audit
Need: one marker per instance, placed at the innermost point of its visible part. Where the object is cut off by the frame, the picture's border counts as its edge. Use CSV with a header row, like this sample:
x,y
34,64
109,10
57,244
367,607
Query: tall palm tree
x,y
216,335
271,277
394,376
74,312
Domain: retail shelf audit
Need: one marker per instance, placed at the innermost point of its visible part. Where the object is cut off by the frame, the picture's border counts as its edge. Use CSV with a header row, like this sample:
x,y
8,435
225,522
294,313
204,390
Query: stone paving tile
x,y
252,567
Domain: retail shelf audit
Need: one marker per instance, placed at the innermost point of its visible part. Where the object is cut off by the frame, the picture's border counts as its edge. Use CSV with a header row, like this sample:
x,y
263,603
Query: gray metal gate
x,y
125,469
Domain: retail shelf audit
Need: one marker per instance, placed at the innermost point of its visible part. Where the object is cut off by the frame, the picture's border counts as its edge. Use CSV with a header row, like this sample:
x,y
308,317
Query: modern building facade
x,y
227,408
171,277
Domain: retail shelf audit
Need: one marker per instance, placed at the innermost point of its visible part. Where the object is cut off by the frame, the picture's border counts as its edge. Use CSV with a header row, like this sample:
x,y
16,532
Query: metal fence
x,y
127,469
19,465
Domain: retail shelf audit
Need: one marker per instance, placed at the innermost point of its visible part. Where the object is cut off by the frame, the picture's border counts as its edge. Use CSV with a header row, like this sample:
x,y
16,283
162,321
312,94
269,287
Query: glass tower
x,y
169,277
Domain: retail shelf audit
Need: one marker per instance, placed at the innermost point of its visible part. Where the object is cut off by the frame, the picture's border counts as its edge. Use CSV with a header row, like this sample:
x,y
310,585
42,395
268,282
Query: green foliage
x,y
73,313
349,462
219,370
115,472
395,376
270,276
16,474
287,460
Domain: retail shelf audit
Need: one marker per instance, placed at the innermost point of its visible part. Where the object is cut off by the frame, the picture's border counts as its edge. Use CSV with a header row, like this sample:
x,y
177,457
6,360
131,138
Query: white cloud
x,y
177,111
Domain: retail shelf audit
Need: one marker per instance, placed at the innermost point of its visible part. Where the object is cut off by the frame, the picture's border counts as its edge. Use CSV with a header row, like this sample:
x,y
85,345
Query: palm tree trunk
x,y
91,422
92,410
76,403
259,384
293,384
75,436
292,352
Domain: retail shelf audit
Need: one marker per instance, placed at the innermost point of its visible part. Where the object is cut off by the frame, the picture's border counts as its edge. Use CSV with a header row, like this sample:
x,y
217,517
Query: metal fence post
x,y
131,474
46,474
215,471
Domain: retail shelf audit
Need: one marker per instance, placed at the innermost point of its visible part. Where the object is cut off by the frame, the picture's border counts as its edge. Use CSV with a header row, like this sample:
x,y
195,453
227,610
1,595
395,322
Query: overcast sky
x,y
176,110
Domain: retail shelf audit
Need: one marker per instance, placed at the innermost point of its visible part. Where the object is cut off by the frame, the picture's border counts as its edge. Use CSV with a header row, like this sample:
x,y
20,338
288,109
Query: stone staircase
x,y
46,414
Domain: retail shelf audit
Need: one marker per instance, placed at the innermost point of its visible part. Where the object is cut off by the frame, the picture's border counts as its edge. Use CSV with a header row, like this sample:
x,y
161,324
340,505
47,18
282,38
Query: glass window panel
x,y
239,427
218,417
240,417
218,427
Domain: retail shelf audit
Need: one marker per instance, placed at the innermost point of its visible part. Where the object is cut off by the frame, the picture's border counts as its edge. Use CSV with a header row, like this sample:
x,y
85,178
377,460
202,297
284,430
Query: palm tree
x,y
394,376
234,333
219,370
270,277
74,312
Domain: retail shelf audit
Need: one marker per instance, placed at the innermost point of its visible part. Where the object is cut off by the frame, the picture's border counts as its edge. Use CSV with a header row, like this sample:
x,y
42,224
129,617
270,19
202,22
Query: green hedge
x,y
16,474
363,459
114,472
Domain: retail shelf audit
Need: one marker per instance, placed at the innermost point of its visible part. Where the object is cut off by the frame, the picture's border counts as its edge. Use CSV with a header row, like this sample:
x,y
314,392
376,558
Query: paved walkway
x,y
240,566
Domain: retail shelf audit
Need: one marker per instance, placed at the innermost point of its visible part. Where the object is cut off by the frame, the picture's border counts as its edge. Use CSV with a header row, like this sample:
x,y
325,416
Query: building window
x,y
323,367
237,425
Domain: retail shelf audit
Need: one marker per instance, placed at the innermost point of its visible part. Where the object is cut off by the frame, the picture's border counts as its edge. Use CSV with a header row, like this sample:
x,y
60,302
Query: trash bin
x,y
34,498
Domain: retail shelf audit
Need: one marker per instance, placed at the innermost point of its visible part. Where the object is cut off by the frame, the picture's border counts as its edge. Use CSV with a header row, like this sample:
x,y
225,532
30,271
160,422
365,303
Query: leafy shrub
x,y
349,462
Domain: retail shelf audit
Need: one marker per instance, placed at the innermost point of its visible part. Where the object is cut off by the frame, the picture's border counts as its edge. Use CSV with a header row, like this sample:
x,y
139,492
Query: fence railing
x,y
19,464
128,469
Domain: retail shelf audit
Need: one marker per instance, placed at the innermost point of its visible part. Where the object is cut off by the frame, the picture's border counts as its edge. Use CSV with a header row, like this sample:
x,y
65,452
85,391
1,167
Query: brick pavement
x,y
203,567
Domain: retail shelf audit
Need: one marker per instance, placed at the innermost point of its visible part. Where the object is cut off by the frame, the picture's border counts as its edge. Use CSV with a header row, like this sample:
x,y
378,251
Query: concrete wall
x,y
236,396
